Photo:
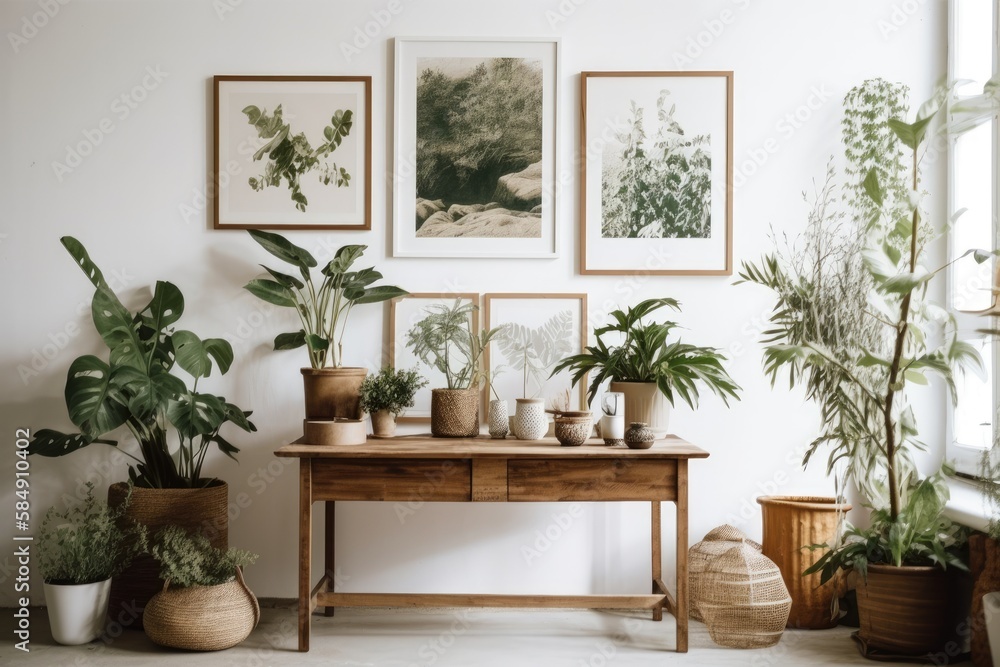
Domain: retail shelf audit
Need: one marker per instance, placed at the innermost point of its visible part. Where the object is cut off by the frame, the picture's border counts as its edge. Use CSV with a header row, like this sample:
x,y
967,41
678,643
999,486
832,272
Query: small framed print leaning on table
x,y
293,152
656,192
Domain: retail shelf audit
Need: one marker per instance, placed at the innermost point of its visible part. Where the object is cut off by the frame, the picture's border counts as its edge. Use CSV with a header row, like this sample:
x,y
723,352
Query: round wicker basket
x,y
202,618
455,413
717,542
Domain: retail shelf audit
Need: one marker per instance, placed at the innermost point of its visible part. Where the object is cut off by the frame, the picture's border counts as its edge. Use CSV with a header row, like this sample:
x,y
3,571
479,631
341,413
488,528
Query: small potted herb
x,y
205,604
385,395
79,550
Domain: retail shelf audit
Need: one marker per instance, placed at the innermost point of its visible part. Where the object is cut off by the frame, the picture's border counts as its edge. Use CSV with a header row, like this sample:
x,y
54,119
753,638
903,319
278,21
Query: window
x,y
972,185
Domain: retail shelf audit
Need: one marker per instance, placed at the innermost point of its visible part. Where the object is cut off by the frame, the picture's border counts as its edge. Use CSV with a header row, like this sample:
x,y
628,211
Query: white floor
x,y
460,637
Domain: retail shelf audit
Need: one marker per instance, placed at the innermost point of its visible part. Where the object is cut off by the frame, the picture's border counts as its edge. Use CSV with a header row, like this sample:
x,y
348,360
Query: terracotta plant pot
x,y
913,610
333,393
203,510
790,523
645,403
383,424
455,413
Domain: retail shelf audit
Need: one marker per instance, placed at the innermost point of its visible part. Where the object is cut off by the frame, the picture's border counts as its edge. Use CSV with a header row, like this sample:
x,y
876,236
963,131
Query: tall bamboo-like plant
x,y
444,340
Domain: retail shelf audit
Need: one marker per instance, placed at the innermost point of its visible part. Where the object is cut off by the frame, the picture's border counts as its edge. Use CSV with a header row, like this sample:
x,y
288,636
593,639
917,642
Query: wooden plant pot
x,y
454,413
201,510
333,393
913,610
644,402
203,618
383,424
793,522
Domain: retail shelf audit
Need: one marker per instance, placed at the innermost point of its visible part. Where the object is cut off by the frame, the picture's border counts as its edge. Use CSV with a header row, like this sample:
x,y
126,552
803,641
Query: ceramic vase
x,y
639,436
613,418
383,424
77,612
529,419
499,420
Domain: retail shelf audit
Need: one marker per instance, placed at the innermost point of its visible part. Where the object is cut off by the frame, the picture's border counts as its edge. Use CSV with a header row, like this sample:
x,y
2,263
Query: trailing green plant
x,y
536,350
390,389
444,340
137,389
323,307
189,559
88,542
645,355
290,156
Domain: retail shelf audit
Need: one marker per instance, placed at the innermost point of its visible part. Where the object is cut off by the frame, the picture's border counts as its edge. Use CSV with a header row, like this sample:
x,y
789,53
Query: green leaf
x,y
118,330
196,414
872,187
284,279
379,294
79,254
910,134
906,282
225,446
148,392
916,377
220,350
165,308
343,260
317,342
192,355
283,249
53,443
290,341
271,291
95,403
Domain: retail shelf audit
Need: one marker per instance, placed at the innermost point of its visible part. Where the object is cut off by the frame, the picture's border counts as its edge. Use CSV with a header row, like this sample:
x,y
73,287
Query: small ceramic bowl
x,y
573,431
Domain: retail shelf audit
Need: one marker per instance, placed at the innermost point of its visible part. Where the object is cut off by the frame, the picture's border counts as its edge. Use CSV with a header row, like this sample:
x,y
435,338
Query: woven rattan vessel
x,y
455,413
744,602
717,542
202,618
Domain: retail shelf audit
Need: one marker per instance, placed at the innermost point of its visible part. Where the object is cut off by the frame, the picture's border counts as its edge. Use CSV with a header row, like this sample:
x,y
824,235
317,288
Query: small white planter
x,y
991,606
77,612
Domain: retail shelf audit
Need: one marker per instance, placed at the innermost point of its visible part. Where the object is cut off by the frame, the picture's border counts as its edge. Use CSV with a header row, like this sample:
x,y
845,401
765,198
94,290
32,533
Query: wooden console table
x,y
429,469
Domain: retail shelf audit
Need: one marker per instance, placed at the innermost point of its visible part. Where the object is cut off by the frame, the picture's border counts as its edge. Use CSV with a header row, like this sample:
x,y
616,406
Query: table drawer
x,y
437,480
591,479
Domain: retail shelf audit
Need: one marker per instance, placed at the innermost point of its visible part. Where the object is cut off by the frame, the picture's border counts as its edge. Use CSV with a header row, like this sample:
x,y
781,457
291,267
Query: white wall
x,y
124,202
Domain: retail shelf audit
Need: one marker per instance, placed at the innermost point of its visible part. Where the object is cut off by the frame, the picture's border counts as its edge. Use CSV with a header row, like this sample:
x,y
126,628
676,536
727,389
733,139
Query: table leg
x,y
328,564
305,550
657,557
682,555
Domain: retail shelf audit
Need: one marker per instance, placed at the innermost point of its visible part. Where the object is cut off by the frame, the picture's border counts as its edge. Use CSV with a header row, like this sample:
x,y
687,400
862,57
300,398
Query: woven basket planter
x,y
454,413
717,542
744,601
204,511
203,618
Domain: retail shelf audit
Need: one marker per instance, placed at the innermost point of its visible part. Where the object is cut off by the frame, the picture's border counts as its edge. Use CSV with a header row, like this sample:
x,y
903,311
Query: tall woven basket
x,y
744,601
202,618
717,542
455,413
203,511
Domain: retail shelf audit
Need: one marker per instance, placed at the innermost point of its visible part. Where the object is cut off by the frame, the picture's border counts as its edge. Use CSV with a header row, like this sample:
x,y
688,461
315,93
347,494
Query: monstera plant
x,y
137,387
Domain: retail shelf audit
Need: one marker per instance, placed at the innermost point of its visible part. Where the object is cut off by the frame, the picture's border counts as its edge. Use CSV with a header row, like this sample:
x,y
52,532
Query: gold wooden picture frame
x,y
656,173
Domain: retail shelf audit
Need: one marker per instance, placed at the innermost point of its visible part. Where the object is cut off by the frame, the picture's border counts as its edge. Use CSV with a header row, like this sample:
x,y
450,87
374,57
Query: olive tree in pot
x,y
323,307
388,393
650,370
444,340
859,364
79,550
138,387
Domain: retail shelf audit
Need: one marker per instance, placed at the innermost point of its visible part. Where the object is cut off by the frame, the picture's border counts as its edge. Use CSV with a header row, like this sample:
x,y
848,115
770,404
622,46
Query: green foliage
x,y
290,156
658,191
644,355
89,542
535,351
919,535
474,128
391,390
189,559
323,311
136,388
444,340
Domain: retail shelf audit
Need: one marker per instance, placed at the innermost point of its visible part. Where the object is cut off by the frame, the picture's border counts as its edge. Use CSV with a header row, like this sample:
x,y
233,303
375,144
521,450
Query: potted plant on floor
x,y
323,307
79,550
205,604
444,340
857,354
138,387
648,369
388,393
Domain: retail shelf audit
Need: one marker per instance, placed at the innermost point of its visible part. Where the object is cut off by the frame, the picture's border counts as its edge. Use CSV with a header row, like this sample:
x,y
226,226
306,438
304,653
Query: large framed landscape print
x,y
293,152
656,173
474,173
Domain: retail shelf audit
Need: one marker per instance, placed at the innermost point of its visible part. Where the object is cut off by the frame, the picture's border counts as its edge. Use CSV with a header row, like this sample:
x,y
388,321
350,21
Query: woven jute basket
x,y
744,600
203,511
717,542
455,413
203,618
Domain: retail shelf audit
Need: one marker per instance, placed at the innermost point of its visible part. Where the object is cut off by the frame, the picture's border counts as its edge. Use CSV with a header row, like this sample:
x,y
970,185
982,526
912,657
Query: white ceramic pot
x,y
644,402
77,612
498,419
991,607
529,419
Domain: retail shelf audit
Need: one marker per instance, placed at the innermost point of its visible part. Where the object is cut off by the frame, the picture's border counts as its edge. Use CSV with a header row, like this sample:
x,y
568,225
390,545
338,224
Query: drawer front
x,y
591,479
438,480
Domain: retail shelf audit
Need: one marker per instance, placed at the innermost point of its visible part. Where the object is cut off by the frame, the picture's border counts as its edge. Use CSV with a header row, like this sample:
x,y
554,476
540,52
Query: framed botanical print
x,y
405,315
656,192
537,332
293,152
475,147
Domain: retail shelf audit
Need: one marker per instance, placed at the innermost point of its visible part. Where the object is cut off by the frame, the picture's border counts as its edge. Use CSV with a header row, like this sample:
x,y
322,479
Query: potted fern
x,y
388,393
79,550
205,604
